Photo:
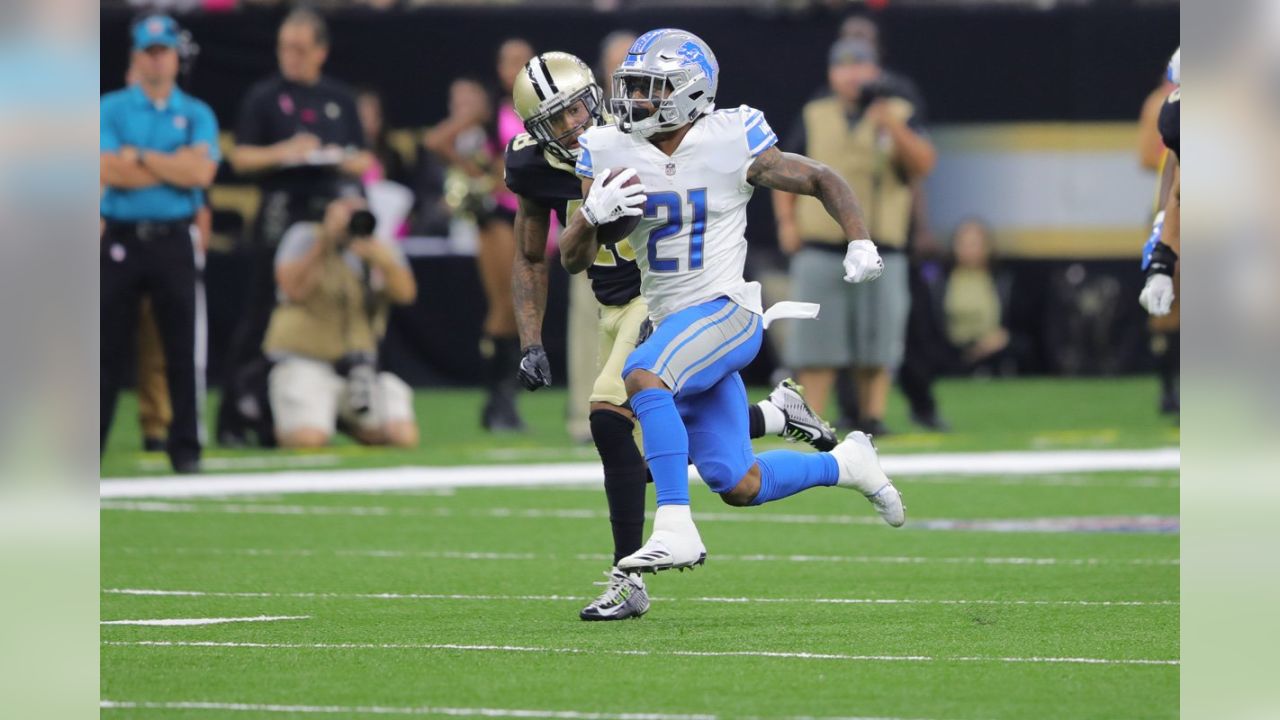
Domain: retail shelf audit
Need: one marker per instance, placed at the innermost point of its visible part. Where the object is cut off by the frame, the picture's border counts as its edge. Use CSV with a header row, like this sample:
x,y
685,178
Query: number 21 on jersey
x,y
671,204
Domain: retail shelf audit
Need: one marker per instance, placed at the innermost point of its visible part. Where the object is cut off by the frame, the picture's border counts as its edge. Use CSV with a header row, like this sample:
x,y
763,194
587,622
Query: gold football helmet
x,y
557,97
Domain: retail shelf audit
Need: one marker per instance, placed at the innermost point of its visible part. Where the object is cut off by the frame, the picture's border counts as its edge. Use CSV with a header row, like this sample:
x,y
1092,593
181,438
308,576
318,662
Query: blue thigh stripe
x,y
720,351
691,333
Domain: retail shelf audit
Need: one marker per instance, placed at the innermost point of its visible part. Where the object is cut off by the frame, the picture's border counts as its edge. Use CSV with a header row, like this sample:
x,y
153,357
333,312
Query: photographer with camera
x,y
870,136
336,284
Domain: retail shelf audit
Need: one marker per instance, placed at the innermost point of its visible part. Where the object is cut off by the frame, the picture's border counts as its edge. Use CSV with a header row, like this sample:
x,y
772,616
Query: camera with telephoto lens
x,y
361,225
873,91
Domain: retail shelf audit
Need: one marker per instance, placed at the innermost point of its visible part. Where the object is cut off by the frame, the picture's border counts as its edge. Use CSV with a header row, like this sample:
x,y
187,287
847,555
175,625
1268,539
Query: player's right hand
x,y
862,262
607,201
1157,295
535,368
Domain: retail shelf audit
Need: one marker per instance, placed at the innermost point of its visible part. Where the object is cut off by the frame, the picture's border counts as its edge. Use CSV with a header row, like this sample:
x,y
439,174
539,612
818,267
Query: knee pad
x,y
612,434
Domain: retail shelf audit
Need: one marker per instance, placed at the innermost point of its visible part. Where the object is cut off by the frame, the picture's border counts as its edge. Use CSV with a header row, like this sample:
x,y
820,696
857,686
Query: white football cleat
x,y
860,470
675,543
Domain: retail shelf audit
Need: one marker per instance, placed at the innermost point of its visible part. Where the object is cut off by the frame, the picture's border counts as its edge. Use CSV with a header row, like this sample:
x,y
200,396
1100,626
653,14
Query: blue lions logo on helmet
x,y
692,53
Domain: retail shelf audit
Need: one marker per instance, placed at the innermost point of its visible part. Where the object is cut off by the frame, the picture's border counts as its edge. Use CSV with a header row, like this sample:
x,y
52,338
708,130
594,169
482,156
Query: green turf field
x,y
464,601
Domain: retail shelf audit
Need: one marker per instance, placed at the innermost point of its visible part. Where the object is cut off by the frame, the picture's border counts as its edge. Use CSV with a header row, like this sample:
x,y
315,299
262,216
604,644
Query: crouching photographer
x,y
336,284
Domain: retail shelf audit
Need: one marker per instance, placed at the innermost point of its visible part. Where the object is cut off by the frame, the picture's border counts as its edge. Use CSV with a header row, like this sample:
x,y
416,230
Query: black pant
x,y
156,259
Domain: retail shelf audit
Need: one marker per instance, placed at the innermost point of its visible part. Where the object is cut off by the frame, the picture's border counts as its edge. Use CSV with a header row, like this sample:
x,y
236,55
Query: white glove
x,y
608,201
862,262
1157,295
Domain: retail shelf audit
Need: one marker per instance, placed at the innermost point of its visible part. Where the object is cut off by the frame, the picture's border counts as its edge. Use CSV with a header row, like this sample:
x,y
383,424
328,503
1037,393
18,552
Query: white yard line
x,y
556,598
603,557
589,473
646,653
186,622
1068,524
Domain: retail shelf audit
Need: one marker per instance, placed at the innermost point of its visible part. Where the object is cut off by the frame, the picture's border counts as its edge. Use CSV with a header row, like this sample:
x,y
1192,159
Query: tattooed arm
x,y
529,280
800,175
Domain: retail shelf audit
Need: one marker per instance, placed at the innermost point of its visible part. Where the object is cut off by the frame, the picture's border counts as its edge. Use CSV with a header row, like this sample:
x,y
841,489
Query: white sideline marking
x,y
657,653
384,710
575,598
590,473
597,557
165,622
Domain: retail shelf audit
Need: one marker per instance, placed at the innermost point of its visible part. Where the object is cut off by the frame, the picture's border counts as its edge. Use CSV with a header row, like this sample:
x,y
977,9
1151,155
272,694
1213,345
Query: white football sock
x,y
672,517
775,421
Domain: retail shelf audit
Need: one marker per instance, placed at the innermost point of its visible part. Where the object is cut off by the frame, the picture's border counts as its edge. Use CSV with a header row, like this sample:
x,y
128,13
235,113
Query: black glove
x,y
535,368
646,329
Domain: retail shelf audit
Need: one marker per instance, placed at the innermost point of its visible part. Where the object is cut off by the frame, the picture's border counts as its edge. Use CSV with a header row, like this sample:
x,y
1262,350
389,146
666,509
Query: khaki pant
x,y
154,410
618,330
583,318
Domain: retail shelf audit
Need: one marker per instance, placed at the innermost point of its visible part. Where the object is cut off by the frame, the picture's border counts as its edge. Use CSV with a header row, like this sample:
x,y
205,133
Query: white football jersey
x,y
690,244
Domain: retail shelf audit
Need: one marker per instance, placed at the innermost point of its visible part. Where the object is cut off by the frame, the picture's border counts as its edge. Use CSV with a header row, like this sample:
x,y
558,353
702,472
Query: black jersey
x,y
1171,120
615,277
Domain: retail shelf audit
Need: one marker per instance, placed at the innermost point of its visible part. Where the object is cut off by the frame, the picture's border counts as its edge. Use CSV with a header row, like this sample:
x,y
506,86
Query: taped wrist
x,y
1163,260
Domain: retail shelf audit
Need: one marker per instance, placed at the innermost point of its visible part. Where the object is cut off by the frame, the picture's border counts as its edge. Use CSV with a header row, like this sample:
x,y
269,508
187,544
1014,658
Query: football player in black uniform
x,y
558,99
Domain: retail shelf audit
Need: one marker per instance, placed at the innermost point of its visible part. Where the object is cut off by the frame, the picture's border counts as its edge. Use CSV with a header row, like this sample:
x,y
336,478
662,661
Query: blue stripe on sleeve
x,y
584,168
760,136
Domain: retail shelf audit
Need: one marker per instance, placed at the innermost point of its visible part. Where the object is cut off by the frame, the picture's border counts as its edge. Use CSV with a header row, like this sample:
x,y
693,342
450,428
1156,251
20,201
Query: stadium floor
x,y
463,601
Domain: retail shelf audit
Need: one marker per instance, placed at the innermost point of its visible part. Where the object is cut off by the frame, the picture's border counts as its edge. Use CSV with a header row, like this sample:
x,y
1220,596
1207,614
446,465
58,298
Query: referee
x,y
159,149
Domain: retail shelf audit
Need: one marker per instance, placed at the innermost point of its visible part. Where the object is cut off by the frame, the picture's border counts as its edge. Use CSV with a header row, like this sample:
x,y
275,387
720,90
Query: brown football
x,y
610,233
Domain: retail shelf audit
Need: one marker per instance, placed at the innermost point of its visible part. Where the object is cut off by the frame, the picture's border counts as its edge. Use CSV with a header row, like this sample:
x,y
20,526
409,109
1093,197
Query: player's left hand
x,y
1157,295
862,262
535,368
646,329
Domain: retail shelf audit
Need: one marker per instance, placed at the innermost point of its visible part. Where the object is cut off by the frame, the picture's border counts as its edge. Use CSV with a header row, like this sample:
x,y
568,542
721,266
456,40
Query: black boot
x,y
501,357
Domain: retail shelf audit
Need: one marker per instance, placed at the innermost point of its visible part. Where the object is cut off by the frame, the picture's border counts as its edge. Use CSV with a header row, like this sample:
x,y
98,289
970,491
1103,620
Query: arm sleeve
x,y
760,136
297,240
204,129
584,167
108,139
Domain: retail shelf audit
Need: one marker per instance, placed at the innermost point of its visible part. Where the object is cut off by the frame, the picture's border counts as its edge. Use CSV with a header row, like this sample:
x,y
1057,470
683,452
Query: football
x,y
612,232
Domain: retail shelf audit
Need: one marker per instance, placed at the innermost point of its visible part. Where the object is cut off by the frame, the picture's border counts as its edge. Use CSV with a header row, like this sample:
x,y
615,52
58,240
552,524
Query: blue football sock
x,y
784,473
666,444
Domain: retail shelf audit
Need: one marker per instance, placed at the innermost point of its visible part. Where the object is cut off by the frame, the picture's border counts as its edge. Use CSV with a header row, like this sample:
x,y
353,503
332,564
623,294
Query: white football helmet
x,y
668,80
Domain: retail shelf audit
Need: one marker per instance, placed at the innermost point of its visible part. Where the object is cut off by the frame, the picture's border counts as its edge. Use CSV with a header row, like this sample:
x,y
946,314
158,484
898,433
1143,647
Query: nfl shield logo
x,y
671,169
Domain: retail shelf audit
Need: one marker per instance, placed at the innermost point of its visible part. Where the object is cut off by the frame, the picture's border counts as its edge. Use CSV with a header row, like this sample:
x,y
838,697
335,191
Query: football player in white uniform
x,y
557,98
697,168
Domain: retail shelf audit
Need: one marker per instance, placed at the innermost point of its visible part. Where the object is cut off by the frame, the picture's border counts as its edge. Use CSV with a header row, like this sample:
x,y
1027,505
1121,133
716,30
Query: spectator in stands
x,y
926,344
387,163
873,140
337,282
299,135
972,302
472,140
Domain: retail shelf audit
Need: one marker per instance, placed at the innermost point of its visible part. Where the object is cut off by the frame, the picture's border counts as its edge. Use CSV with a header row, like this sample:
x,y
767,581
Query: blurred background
x,y
1033,107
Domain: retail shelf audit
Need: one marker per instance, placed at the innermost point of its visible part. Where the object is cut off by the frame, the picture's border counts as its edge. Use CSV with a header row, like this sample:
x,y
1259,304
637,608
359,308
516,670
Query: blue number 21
x,y
671,204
